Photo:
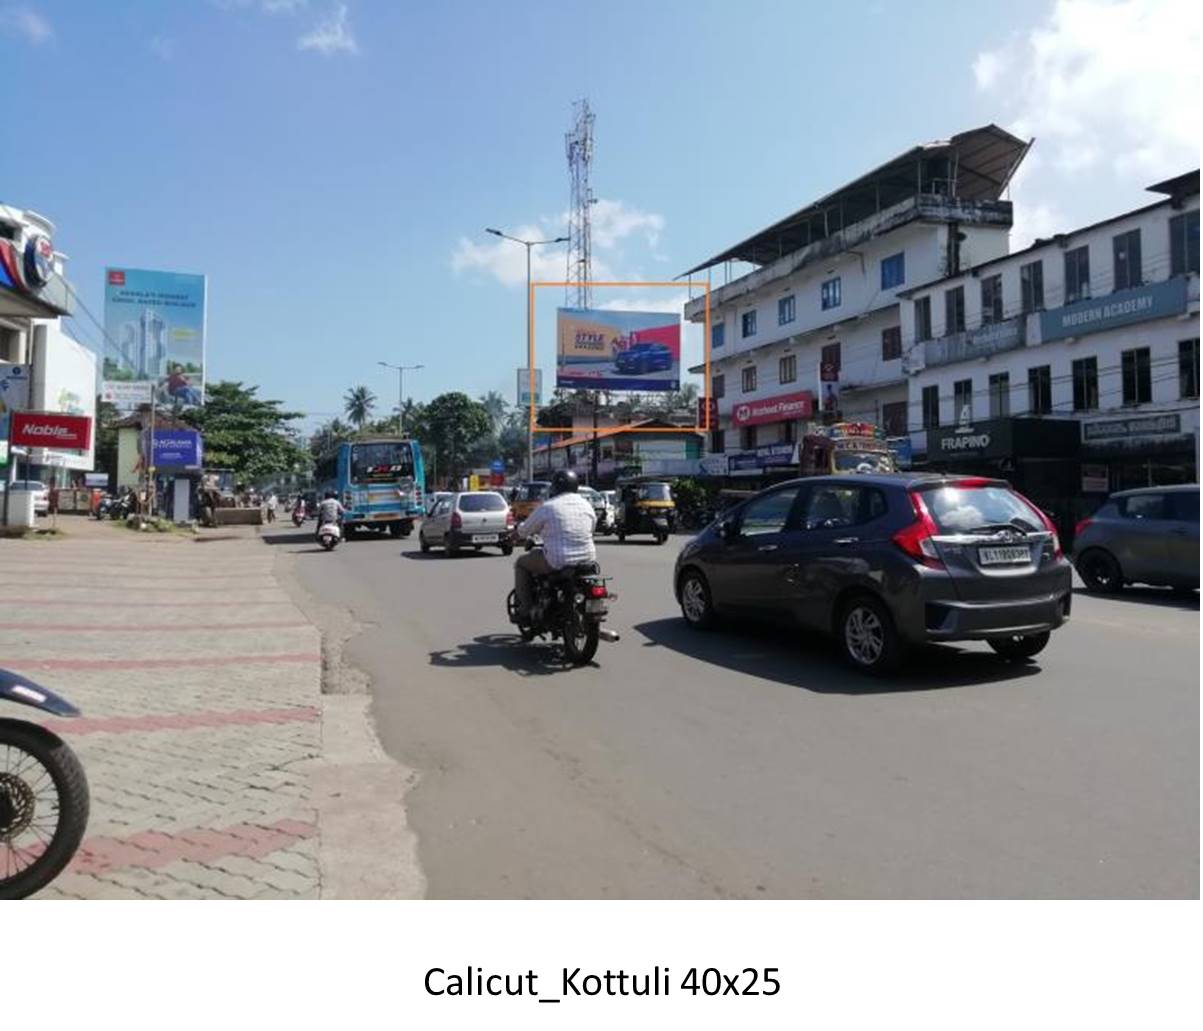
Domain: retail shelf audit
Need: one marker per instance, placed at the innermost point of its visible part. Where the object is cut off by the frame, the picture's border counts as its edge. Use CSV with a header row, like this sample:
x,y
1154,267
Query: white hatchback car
x,y
471,519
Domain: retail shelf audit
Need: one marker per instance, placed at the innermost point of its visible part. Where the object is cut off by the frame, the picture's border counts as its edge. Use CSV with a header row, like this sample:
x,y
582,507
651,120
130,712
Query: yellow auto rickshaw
x,y
645,506
530,496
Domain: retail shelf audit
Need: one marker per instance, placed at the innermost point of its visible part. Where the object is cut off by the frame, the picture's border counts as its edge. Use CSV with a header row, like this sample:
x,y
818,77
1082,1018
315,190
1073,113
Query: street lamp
x,y
528,244
401,371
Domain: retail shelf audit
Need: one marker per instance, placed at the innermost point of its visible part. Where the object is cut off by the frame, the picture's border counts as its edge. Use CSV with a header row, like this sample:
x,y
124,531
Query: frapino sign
x,y
774,409
52,430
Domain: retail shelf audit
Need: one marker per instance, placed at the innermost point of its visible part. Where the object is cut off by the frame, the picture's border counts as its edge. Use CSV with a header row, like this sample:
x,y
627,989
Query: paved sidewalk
x,y
200,684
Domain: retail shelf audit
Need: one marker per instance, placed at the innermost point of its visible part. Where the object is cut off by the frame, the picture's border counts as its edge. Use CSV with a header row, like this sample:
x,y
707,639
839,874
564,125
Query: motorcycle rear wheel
x,y
527,633
580,640
43,806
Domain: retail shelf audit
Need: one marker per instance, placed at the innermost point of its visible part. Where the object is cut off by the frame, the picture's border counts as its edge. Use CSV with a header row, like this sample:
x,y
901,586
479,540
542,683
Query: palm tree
x,y
358,403
495,407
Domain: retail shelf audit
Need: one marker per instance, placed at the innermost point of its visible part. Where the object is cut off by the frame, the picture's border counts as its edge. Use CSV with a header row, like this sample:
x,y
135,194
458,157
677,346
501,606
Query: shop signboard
x,y
126,395
768,456
155,322
1166,425
51,429
65,381
618,350
524,392
175,449
1122,308
985,440
829,389
14,397
783,408
708,413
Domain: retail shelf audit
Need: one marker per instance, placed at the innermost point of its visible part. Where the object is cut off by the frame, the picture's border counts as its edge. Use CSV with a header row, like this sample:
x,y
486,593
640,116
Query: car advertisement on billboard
x,y
618,350
155,324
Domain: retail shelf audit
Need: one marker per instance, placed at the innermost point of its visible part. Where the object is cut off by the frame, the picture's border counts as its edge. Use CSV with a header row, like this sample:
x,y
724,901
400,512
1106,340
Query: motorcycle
x,y
43,793
329,535
570,604
298,516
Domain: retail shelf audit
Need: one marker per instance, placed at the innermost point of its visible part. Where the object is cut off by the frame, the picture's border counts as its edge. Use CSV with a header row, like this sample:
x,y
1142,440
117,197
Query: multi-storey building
x,y
826,289
1071,367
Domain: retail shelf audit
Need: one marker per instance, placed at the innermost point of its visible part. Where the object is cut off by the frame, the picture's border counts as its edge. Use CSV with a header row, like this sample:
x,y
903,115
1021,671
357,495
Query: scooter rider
x,y
565,523
329,511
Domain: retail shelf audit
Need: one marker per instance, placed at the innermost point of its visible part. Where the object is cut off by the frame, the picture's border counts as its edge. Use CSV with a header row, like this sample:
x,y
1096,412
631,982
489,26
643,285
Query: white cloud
x,y
1109,89
26,22
614,226
266,6
162,48
331,35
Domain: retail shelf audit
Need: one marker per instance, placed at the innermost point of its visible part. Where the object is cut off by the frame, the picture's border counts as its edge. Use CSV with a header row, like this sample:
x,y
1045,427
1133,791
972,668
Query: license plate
x,y
485,538
381,515
595,605
1003,556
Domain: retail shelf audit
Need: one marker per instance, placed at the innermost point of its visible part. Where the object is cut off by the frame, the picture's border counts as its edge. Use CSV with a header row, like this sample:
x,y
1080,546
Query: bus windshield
x,y
381,460
852,461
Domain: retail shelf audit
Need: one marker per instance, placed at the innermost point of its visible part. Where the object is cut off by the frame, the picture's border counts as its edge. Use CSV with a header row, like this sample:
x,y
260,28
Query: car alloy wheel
x,y
1100,572
864,635
695,601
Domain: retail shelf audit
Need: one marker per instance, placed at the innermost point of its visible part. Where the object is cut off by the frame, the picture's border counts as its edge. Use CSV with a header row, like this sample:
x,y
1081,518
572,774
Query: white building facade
x,y
1096,329
827,290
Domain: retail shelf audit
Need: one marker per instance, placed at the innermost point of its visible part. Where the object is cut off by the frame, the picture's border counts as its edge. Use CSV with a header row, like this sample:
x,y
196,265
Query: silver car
x,y
471,519
1148,536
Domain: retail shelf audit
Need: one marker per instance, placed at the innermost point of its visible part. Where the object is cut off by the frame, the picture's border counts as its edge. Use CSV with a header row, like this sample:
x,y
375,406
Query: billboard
x,y
64,381
618,350
51,429
155,323
829,390
126,395
524,395
175,449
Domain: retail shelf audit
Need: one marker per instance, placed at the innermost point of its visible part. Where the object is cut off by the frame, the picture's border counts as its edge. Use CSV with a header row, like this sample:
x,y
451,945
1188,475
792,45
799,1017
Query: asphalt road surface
x,y
745,763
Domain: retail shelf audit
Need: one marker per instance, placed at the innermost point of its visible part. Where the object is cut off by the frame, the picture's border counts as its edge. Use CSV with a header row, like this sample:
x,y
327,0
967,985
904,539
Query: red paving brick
x,y
152,850
180,721
192,661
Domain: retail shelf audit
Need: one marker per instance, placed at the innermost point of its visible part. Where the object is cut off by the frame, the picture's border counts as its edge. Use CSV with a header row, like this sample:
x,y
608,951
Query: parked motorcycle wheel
x,y
580,639
328,542
43,801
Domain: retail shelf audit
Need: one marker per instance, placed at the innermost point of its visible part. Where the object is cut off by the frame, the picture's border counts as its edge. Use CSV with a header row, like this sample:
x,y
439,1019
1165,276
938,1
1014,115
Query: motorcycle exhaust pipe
x,y
608,635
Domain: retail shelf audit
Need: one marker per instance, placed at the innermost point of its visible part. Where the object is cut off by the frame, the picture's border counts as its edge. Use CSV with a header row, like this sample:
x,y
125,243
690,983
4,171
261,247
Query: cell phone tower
x,y
578,145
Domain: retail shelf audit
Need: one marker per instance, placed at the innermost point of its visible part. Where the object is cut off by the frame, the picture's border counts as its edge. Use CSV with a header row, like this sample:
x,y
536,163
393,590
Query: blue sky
x,y
331,166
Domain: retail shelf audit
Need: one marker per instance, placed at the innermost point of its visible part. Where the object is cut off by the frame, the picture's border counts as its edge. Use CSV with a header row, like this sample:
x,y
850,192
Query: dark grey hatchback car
x,y
882,562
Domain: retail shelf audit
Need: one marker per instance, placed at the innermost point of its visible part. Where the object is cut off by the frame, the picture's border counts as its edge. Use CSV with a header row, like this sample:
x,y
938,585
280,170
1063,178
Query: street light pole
x,y
528,244
401,371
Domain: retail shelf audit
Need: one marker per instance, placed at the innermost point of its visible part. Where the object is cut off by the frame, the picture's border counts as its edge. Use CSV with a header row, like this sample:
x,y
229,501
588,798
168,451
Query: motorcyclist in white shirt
x,y
329,510
564,523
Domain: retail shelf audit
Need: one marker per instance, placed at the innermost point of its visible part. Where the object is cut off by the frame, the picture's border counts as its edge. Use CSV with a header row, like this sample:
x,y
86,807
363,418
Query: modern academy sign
x,y
1122,308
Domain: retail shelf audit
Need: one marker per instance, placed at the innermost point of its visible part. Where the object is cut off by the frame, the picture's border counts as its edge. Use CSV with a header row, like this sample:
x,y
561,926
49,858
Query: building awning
x,y
975,165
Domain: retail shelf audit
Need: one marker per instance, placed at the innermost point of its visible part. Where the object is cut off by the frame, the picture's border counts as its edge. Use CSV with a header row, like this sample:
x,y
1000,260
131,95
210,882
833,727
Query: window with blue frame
x,y
893,271
748,323
786,310
716,334
829,293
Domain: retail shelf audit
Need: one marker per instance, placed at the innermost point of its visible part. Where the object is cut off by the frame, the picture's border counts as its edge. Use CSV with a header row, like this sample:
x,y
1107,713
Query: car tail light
x,y
509,517
1082,524
1046,522
457,521
917,539
598,591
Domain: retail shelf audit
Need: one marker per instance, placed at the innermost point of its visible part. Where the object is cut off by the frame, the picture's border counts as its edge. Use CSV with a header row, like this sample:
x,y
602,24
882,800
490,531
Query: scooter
x,y
298,516
43,793
329,535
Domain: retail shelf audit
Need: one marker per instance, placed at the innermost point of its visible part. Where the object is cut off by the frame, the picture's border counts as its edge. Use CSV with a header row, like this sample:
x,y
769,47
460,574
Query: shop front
x,y
1148,450
1039,457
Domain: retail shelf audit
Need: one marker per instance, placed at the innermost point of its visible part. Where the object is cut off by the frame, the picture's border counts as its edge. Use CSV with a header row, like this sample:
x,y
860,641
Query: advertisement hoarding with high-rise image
x,y
155,325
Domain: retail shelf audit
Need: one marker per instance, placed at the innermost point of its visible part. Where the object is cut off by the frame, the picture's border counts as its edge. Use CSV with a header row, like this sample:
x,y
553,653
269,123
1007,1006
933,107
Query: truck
x,y
846,447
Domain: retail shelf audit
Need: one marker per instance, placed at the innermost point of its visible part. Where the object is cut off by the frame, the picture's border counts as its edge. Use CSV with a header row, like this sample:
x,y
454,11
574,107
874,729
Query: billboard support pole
x,y
150,460
530,428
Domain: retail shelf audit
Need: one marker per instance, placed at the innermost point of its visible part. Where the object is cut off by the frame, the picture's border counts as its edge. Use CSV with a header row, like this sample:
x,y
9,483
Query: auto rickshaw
x,y
529,497
645,506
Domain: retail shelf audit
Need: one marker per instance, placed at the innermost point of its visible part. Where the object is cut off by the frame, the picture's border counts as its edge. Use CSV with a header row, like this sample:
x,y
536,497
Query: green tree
x,y
248,434
495,407
452,424
358,403
327,435
106,439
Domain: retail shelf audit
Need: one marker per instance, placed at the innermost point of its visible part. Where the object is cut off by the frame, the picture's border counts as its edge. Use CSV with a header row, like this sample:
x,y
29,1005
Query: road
x,y
753,764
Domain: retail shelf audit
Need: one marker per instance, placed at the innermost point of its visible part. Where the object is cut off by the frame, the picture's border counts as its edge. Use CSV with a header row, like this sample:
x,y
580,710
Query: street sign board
x,y
497,465
524,394
126,394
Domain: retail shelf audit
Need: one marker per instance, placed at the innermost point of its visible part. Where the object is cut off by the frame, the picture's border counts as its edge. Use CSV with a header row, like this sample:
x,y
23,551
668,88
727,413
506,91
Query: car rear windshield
x,y
966,509
481,503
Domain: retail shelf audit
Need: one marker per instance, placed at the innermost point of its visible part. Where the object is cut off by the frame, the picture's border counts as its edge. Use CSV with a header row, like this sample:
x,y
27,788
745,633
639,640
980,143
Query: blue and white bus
x,y
379,481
